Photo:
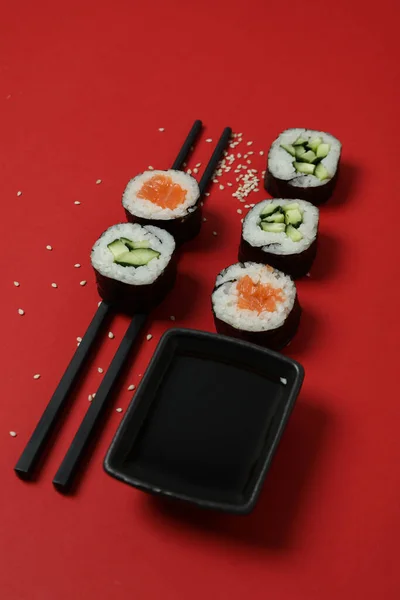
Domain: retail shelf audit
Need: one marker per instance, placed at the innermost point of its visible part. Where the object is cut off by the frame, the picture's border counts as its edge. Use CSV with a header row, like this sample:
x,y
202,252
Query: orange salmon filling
x,y
258,296
161,190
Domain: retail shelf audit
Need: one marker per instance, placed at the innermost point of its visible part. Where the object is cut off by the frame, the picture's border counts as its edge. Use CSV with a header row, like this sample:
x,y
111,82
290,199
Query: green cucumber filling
x,y
308,156
287,219
132,254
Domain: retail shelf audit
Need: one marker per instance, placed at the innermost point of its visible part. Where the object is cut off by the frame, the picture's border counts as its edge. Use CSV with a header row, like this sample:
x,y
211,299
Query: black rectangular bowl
x,y
206,420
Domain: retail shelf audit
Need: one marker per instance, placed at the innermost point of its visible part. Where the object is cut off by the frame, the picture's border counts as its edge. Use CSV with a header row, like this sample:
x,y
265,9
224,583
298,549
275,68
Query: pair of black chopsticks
x,y
36,446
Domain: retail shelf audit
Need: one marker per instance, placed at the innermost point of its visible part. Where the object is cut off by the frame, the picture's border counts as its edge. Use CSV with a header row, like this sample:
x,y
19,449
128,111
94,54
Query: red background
x,y
84,87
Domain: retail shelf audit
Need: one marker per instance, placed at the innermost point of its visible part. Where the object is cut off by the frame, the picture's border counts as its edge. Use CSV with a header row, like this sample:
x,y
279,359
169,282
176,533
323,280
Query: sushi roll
x,y
303,163
256,303
167,199
281,233
134,266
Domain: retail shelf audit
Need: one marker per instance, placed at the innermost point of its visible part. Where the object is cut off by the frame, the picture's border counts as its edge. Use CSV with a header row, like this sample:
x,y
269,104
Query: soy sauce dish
x,y
206,420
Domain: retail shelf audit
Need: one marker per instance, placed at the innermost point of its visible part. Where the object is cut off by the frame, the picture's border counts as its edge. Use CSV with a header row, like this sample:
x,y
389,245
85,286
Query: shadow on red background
x,y
278,513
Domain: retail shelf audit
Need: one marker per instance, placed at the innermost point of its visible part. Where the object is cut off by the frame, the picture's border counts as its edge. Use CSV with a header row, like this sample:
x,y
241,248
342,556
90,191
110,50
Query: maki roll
x,y
167,199
281,233
256,303
134,266
303,163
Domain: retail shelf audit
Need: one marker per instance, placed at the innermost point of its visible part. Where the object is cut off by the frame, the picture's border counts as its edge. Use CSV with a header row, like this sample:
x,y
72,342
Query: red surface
x,y
83,89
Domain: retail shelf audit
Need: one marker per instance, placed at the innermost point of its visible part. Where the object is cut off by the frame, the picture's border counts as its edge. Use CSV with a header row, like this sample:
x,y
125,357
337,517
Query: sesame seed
x,y
241,220
36,376
204,219
189,171
19,193
100,370
239,211
283,380
172,318
148,337
49,247
118,410
198,165
308,274
13,433
215,180
261,152
98,181
131,387
249,143
248,161
230,184
16,283
208,140
185,164
54,285
77,265
161,129
98,304
111,335
221,187
215,233
252,205
21,312
84,282
77,202
150,168
207,193
90,397
195,170
78,339
239,155
94,395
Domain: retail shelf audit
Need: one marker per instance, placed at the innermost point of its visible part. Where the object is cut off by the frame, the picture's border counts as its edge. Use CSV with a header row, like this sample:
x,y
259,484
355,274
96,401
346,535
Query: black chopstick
x,y
40,437
34,449
69,467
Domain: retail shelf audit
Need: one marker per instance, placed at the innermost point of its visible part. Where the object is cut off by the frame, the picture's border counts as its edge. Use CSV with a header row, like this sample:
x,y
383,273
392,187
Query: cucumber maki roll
x,y
167,199
134,266
256,303
303,163
281,233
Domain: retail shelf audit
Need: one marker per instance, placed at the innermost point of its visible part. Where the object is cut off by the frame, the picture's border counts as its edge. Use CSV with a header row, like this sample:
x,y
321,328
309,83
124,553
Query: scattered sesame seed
x,y
78,339
215,180
98,304
13,433
37,376
308,274
241,220
54,285
19,193
78,344
100,370
204,219
283,380
261,152
172,318
77,265
252,205
84,282
94,395
189,171
208,140
148,337
248,161
98,181
239,211
21,312
150,168
249,143
198,165
77,202
221,187
201,203
49,247
215,233
161,129
90,397
185,164
111,335
195,170
207,193
118,410
16,283
131,387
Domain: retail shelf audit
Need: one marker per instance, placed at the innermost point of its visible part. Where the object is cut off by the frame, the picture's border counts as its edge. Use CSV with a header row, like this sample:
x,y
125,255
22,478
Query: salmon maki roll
x,y
167,199
134,266
256,303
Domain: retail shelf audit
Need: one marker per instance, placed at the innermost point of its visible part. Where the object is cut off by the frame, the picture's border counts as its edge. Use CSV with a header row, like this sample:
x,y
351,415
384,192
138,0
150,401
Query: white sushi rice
x,y
280,243
160,240
280,162
149,210
225,297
